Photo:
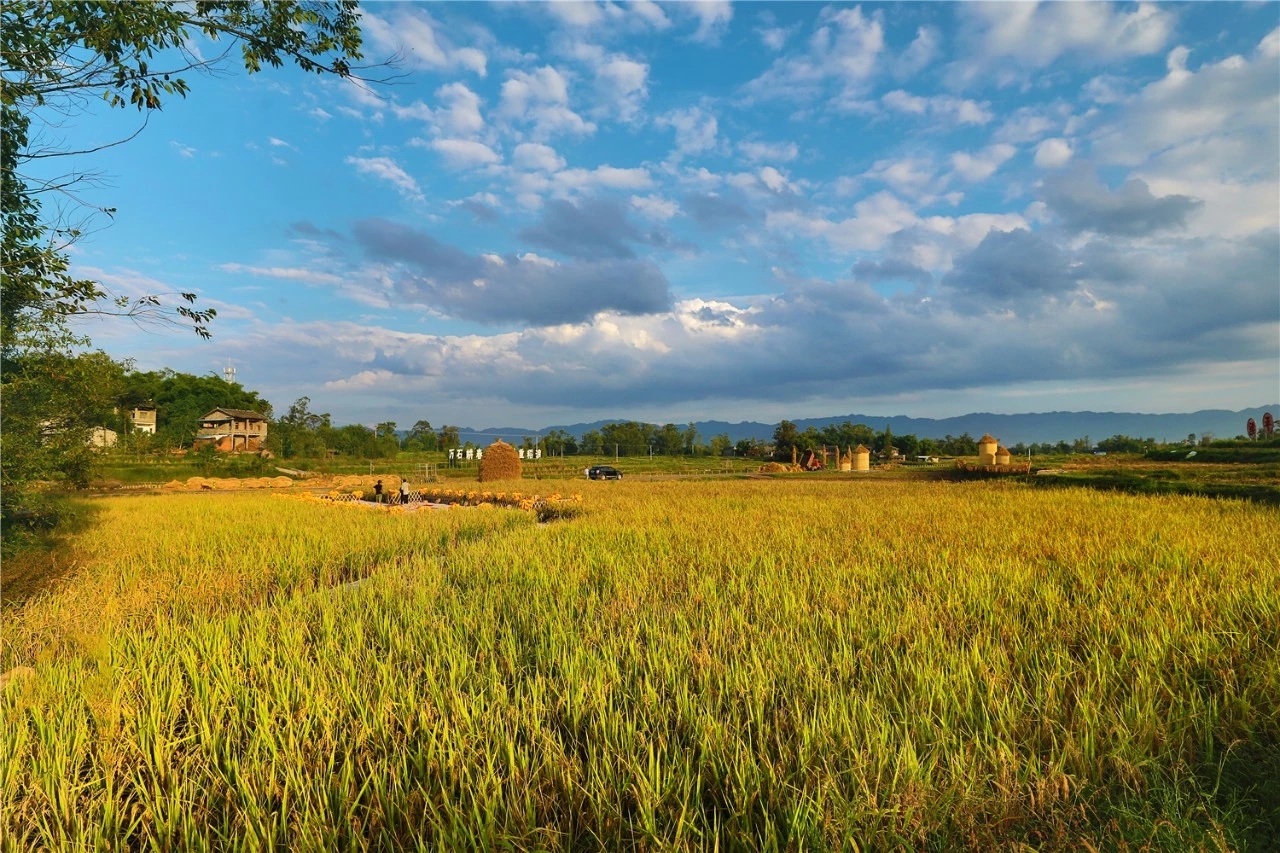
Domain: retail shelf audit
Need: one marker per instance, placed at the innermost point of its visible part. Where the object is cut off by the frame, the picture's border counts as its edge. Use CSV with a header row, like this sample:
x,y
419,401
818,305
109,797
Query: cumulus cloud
x,y
981,165
621,82
387,169
412,33
481,209
944,107
922,51
1011,268
593,229
911,176
843,53
510,288
540,99
711,210
1083,203
654,207
1236,97
1028,36
695,130
713,17
890,269
776,152
465,153
459,113
995,322
1053,153
1026,124
535,155
775,38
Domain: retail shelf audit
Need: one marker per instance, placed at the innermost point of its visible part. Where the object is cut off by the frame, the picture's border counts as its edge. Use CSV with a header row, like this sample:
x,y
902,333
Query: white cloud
x,y
534,155
541,98
911,176
1235,97
465,153
623,85
387,169
411,32
695,130
576,13
780,152
982,164
605,177
844,50
774,180
1026,124
924,48
775,38
875,219
1053,153
185,151
318,112
302,274
1032,36
654,207
459,113
944,107
713,19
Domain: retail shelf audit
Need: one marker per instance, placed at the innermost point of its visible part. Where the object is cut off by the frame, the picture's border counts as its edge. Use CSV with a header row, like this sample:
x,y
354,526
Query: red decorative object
x,y
1268,424
1252,429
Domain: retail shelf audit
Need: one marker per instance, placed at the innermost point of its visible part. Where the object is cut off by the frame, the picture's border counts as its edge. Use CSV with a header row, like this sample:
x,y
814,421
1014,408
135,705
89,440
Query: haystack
x,y
987,450
500,462
1002,456
861,458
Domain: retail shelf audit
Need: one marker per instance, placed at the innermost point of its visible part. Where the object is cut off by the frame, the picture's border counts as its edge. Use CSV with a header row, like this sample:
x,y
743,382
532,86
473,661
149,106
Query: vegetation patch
x,y
988,666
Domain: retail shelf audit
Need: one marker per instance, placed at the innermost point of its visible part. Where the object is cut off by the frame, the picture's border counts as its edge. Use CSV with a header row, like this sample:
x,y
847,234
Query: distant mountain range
x,y
1009,429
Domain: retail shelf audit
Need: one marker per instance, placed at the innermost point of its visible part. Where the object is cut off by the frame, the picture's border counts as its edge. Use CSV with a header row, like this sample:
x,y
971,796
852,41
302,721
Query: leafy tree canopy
x,y
57,58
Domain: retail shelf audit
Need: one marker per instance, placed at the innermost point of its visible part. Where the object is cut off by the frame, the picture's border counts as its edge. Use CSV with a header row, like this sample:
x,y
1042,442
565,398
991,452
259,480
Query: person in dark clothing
x,y
377,492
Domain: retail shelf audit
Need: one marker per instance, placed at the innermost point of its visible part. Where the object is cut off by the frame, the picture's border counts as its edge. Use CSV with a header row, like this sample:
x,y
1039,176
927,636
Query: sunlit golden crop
x,y
764,664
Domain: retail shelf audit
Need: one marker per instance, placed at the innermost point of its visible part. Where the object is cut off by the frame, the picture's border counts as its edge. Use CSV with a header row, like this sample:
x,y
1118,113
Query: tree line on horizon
x,y
181,399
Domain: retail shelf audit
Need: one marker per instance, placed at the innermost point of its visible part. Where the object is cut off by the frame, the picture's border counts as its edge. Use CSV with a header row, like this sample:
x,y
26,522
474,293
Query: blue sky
x,y
563,211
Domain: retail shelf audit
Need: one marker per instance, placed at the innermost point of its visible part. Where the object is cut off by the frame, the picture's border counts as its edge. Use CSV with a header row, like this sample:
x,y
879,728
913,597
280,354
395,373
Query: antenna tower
x,y
229,373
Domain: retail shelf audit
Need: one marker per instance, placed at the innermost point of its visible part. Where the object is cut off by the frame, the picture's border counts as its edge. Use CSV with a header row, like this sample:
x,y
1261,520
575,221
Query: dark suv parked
x,y
604,472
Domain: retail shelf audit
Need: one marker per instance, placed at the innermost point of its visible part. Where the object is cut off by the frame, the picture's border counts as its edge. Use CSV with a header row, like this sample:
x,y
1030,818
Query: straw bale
x,y
280,482
196,483
500,462
773,468
175,484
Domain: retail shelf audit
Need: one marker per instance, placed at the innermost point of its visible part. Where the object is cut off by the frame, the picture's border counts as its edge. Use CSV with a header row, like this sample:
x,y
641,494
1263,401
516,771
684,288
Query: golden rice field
x,y
735,665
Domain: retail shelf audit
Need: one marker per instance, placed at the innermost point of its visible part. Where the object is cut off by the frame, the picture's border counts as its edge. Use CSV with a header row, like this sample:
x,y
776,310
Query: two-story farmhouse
x,y
143,418
229,430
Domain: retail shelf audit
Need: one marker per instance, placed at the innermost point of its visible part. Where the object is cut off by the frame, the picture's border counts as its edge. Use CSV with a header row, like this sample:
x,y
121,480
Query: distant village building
x,y
987,447
143,418
230,430
100,436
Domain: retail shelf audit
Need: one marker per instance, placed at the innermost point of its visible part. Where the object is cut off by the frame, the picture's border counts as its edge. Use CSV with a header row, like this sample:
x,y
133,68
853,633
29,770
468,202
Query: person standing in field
x,y
404,490
377,492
